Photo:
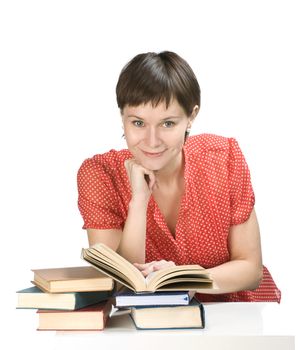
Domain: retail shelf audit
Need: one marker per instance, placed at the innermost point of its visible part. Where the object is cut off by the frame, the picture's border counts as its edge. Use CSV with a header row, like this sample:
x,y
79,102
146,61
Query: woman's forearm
x,y
234,276
133,239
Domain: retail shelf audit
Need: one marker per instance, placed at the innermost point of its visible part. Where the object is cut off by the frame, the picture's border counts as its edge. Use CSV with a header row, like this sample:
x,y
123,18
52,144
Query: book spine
x,y
202,315
83,299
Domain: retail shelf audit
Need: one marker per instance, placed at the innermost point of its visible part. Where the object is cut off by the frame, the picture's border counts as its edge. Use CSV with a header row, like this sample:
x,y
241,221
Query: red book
x,y
89,318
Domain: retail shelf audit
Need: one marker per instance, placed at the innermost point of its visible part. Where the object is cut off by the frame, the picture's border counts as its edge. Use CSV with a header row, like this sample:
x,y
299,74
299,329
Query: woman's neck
x,y
172,173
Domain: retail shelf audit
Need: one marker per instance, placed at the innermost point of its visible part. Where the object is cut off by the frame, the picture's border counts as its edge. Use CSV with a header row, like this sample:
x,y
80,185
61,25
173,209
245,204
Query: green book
x,y
169,317
35,298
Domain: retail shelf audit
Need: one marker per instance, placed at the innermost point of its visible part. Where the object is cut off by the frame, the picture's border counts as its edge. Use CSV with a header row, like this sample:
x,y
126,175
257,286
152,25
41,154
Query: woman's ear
x,y
193,114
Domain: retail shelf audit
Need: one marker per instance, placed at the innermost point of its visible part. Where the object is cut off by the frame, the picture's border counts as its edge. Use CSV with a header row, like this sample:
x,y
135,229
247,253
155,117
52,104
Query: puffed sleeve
x,y
97,198
242,197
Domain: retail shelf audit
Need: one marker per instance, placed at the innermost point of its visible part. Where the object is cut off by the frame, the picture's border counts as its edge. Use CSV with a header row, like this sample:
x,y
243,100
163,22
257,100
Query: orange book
x,y
90,318
72,279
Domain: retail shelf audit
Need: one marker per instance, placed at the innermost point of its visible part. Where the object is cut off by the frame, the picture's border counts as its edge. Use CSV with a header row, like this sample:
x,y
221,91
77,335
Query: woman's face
x,y
155,135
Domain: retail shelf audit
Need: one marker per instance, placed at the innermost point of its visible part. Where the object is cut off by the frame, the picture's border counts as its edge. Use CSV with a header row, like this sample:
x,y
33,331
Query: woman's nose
x,y
152,138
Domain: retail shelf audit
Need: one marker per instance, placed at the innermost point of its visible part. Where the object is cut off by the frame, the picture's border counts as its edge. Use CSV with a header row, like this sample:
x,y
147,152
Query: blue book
x,y
129,298
35,298
169,317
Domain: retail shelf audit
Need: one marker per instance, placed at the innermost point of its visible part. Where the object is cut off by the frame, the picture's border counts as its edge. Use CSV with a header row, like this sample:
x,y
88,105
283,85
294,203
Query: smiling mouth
x,y
153,155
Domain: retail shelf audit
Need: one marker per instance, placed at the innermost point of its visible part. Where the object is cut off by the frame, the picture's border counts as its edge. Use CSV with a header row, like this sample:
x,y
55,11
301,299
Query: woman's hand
x,y
148,268
142,180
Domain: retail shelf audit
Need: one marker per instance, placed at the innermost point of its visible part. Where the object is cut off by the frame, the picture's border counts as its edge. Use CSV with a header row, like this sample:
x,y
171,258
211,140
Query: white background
x,y
59,65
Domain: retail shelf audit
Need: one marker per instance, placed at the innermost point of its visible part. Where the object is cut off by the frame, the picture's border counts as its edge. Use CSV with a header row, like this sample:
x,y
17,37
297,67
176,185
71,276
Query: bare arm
x,y
111,238
244,270
130,242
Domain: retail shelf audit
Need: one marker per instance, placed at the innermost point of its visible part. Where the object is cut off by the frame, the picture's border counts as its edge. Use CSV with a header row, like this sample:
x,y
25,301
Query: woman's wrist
x,y
139,202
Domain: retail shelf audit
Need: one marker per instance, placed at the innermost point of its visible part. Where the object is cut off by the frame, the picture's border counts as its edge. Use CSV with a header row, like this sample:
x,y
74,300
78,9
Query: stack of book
x,y
69,298
81,298
161,310
159,301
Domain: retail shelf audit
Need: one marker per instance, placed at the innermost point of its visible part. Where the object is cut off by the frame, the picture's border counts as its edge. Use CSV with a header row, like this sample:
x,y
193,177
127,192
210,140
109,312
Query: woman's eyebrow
x,y
165,118
173,117
134,116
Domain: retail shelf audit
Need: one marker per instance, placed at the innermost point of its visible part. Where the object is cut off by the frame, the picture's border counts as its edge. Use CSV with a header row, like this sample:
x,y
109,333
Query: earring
x,y
187,133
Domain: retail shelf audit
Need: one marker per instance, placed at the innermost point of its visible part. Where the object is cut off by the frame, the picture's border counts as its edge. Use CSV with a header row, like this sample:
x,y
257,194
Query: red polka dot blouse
x,y
218,194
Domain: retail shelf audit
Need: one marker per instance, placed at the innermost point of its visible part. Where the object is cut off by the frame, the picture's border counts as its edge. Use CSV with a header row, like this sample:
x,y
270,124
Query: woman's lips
x,y
153,155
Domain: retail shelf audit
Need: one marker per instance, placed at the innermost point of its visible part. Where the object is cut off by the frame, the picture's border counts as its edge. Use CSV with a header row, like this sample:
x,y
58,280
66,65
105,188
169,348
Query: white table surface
x,y
228,326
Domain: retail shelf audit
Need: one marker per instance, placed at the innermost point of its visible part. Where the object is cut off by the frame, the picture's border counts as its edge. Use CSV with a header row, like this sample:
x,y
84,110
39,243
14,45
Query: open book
x,y
183,277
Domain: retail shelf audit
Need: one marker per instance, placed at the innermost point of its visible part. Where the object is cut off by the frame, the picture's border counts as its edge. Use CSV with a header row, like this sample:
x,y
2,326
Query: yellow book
x,y
169,317
183,277
72,279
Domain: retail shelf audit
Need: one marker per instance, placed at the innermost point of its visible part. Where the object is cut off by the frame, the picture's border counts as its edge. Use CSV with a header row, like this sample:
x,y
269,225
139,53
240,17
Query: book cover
x,y
35,298
72,279
89,318
169,317
129,298
183,277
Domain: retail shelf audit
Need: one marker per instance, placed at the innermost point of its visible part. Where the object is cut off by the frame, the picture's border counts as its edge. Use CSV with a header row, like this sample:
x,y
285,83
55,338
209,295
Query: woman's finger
x,y
163,266
142,180
144,266
148,268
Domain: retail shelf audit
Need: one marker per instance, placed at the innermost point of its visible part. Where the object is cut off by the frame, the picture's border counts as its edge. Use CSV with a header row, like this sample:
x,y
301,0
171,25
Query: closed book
x,y
72,279
90,318
169,317
129,298
35,298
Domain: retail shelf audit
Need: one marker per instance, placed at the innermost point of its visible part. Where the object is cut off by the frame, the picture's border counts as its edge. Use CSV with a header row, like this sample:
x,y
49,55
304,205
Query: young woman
x,y
170,198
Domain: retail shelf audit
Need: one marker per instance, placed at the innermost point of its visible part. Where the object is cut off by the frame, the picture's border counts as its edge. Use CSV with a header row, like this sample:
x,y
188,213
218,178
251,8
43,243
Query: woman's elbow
x,y
258,275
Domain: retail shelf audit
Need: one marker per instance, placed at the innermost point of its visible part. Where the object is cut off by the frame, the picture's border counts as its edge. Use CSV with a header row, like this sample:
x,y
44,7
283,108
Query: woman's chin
x,y
151,165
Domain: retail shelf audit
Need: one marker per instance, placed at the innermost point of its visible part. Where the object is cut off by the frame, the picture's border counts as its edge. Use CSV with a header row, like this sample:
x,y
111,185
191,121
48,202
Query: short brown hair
x,y
158,77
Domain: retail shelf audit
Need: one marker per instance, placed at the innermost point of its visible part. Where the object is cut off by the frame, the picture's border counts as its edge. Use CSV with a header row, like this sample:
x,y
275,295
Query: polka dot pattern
x,y
218,194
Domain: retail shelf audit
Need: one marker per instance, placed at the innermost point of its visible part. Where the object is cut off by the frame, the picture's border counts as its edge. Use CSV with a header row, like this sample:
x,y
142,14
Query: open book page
x,y
183,277
107,260
176,274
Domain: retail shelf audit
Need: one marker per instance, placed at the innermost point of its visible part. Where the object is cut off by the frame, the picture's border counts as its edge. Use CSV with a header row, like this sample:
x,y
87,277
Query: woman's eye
x,y
138,123
168,124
